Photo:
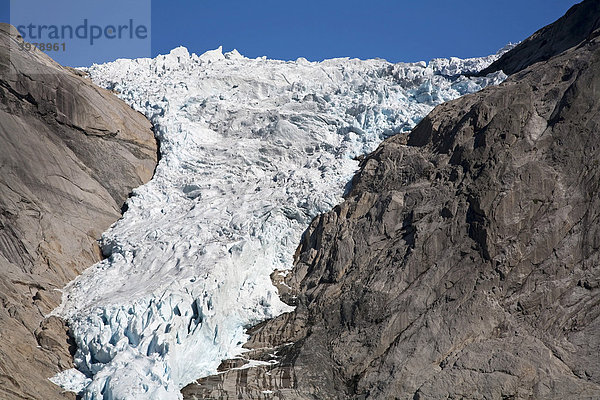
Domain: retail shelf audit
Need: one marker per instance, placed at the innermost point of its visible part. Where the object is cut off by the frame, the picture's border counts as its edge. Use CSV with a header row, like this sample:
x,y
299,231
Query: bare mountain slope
x,y
70,153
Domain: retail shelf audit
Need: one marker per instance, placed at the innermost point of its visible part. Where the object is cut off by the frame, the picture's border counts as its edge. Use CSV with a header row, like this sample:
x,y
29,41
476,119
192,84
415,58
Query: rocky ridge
x,y
575,26
463,263
71,153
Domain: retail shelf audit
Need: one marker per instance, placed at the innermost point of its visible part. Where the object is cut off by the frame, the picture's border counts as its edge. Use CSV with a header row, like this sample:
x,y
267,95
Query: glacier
x,y
251,150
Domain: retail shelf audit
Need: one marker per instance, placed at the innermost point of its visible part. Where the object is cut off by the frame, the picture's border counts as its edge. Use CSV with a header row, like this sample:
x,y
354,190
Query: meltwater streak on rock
x,y
70,152
251,151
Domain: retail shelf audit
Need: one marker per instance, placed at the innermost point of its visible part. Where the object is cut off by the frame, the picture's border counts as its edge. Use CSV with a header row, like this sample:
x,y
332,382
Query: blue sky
x,y
317,29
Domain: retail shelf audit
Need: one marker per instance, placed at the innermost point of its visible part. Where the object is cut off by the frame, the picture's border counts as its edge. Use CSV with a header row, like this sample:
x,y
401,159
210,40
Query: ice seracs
x,y
251,151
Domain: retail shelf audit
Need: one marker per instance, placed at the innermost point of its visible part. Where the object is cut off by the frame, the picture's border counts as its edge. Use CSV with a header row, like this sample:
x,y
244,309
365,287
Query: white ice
x,y
251,151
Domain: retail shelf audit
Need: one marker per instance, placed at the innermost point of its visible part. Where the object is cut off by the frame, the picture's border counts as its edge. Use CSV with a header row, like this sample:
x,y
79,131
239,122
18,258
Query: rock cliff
x,y
70,154
464,262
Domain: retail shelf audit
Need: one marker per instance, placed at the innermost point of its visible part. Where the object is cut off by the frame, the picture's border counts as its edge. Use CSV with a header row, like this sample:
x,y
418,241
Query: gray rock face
x,y
464,263
70,153
575,26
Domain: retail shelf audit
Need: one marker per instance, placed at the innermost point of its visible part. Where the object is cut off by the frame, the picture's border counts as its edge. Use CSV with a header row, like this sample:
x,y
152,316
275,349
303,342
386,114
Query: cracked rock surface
x,y
70,153
464,263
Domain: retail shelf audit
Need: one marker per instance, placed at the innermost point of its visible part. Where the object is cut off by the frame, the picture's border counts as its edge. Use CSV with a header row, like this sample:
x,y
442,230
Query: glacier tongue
x,y
251,151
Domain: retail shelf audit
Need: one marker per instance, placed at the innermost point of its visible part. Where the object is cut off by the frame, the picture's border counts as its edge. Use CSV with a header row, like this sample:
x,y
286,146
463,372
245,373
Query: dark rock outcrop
x,y
464,263
70,153
573,28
